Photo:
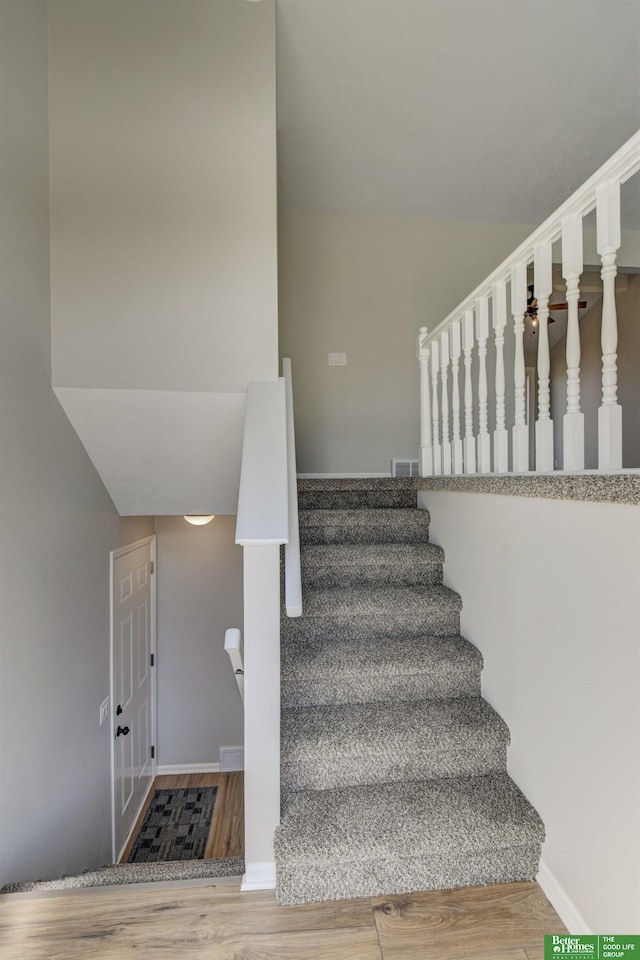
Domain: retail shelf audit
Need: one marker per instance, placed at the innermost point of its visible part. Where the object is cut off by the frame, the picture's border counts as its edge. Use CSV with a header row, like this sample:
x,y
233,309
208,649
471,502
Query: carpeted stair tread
x,y
379,669
413,817
350,744
362,601
394,498
364,526
338,484
442,621
399,837
400,564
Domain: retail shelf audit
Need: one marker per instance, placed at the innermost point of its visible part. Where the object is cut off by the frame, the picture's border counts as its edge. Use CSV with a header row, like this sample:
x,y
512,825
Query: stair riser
x,y
374,526
312,881
318,691
336,772
365,533
437,623
356,499
332,574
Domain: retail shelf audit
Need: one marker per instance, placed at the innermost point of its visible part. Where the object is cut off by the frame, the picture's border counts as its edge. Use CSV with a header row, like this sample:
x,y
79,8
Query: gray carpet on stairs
x,y
373,565
350,744
373,669
393,766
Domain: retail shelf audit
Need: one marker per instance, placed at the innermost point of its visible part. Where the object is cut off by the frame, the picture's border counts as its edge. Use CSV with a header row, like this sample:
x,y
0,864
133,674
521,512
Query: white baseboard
x,y
342,476
259,876
176,769
562,902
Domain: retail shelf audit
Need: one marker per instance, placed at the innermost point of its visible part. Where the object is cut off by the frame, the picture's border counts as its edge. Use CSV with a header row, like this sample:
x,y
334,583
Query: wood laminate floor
x,y
208,922
226,835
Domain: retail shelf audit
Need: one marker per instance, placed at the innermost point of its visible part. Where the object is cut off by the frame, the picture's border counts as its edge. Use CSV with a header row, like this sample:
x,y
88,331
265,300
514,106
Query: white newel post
x,y
444,399
456,351
426,438
261,711
573,420
435,416
469,440
610,412
500,434
542,287
519,433
484,440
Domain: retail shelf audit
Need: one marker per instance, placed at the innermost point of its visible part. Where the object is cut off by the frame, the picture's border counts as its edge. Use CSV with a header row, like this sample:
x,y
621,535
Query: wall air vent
x,y
231,758
404,468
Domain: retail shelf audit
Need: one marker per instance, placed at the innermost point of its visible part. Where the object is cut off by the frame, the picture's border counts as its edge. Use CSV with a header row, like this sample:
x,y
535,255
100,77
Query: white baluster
x,y
444,394
500,434
426,438
520,433
456,445
469,439
610,412
542,288
435,418
573,420
484,440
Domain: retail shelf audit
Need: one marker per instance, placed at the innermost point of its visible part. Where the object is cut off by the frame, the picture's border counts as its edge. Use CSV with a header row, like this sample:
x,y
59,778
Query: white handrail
x,y
233,646
618,169
485,307
292,571
262,500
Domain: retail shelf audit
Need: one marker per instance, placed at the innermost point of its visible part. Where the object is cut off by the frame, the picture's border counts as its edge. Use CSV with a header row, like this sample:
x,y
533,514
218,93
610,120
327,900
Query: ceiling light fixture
x,y
199,520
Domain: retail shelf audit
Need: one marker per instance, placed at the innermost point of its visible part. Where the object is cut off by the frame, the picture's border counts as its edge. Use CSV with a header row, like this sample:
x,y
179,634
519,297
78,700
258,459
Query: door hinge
x,y
153,659
152,566
153,753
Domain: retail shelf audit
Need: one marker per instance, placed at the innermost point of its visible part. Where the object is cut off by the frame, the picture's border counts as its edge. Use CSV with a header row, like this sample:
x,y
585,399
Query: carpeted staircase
x,y
393,766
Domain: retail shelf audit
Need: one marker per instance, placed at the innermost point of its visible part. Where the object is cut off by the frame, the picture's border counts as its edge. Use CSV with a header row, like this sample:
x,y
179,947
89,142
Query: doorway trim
x,y
113,556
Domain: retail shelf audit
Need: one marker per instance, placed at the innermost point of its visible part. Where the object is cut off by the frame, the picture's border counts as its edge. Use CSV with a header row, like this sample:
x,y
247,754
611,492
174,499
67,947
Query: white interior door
x,y
132,684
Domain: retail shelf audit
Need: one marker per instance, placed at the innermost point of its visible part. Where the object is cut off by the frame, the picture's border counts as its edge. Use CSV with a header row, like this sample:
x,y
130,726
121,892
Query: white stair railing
x,y
500,434
233,646
440,346
543,289
292,569
262,526
267,518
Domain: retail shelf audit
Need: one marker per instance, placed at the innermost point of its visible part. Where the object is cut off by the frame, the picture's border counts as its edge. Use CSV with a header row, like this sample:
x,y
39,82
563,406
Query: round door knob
x,y
122,731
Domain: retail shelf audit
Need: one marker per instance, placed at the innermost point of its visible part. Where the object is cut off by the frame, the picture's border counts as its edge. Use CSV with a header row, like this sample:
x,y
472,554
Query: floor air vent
x,y
404,468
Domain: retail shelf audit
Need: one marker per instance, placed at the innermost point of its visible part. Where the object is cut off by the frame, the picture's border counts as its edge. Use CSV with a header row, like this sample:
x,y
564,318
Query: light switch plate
x,y
337,359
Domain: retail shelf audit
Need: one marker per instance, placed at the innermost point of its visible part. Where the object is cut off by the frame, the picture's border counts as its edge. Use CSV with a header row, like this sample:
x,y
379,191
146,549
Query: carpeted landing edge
x,y
121,873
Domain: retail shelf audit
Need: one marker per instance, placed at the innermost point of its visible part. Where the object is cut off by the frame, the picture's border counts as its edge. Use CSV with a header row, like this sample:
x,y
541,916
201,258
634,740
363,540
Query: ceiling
x,y
490,110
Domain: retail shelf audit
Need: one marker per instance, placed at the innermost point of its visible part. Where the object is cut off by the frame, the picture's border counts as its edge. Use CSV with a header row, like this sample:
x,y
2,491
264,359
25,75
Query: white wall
x,y
57,522
363,286
628,310
199,597
551,598
163,200
163,239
